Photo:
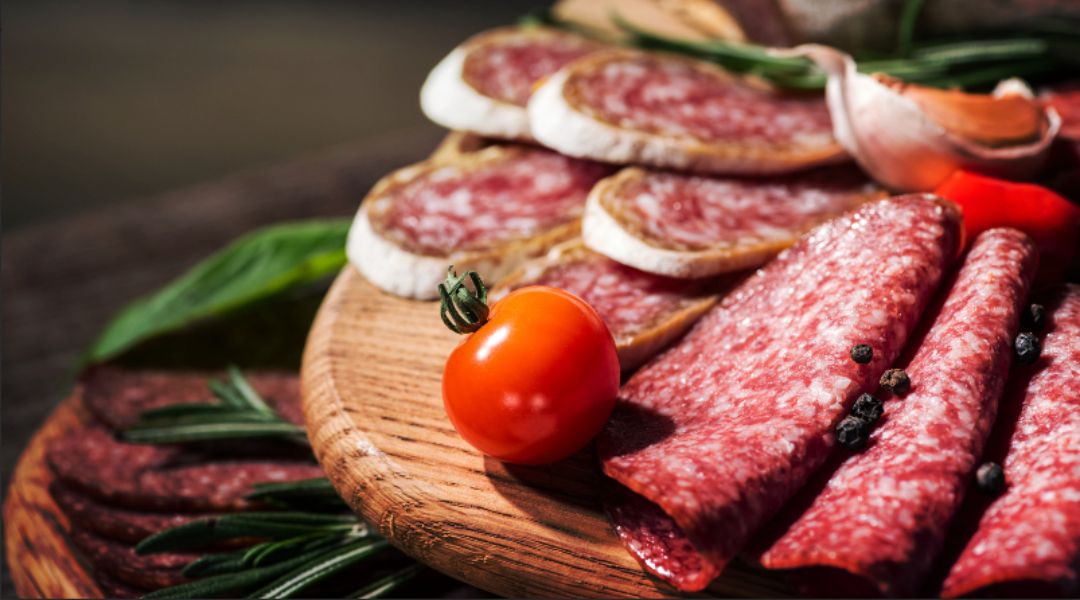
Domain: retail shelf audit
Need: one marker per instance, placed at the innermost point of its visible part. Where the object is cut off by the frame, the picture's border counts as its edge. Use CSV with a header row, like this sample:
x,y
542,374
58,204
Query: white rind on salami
x,y
487,211
726,425
450,98
883,512
1027,542
643,312
559,119
693,226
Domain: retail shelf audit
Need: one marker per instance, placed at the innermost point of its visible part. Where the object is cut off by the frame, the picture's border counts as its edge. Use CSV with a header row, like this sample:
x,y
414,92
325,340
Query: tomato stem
x,y
461,309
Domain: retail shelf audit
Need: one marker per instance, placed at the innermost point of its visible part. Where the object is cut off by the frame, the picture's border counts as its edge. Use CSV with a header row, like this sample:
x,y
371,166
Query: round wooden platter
x,y
38,551
371,385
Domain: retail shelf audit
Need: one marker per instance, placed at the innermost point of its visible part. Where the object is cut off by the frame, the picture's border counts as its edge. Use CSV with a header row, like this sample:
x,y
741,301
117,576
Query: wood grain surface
x,y
371,386
35,531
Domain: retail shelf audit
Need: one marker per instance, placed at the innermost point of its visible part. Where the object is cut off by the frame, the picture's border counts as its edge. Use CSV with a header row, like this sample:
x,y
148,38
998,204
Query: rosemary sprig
x,y
381,587
240,414
284,552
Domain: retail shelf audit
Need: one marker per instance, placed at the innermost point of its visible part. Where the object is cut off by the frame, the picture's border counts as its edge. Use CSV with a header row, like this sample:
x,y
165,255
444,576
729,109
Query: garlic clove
x,y
910,138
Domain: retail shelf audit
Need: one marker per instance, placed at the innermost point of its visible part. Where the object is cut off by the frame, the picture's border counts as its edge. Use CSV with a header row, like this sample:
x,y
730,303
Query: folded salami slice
x,y
489,211
118,397
883,512
1028,540
119,561
722,428
624,107
482,85
117,523
644,312
693,226
163,477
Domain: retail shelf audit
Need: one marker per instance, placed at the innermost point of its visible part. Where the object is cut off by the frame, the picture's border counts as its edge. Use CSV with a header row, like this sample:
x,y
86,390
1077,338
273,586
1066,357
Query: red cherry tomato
x,y
537,381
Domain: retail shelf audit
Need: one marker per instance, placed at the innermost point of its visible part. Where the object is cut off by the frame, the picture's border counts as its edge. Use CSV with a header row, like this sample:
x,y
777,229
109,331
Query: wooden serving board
x,y
371,382
36,543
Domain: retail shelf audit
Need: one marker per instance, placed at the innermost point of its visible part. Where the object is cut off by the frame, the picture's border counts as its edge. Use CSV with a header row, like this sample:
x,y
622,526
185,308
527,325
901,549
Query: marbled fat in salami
x,y
163,477
118,397
506,66
687,212
117,523
726,425
673,97
120,561
1028,540
519,193
883,512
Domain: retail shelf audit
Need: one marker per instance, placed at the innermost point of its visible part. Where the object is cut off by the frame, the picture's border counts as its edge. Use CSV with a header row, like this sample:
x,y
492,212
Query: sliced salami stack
x,y
725,426
693,226
1027,543
643,312
629,107
881,513
487,211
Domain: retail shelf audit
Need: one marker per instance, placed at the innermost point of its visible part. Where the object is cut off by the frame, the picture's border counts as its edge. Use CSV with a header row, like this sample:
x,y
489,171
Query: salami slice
x,y
118,397
644,312
162,477
693,226
722,428
488,211
116,523
119,561
114,588
1028,540
482,85
883,512
624,107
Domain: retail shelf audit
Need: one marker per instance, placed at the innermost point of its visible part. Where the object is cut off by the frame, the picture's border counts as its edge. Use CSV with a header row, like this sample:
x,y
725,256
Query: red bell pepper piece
x,y
1049,219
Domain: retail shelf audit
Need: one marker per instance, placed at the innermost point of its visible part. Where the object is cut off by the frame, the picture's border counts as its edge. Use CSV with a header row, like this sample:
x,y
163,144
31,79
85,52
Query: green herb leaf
x,y
308,493
217,428
255,267
265,525
325,565
382,587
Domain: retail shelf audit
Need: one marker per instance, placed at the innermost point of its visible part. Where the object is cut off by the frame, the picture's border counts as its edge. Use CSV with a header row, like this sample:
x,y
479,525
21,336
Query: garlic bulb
x,y
910,138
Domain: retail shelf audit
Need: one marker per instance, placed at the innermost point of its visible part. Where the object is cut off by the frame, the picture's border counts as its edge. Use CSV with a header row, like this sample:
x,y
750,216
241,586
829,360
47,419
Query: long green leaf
x,y
216,430
255,267
318,569
307,494
382,587
271,525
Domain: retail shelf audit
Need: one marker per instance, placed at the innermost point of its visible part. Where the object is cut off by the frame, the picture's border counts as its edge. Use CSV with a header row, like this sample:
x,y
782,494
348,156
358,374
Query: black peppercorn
x,y
868,408
1034,318
1027,347
990,478
852,432
861,353
895,381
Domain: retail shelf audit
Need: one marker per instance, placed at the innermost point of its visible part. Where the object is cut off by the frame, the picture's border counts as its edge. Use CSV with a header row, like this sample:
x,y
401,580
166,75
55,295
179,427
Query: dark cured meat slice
x,y
114,588
162,477
725,426
1028,540
116,523
119,561
883,512
117,397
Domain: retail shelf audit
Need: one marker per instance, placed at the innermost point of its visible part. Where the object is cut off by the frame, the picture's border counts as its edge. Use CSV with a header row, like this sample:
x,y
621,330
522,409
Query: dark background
x,y
116,114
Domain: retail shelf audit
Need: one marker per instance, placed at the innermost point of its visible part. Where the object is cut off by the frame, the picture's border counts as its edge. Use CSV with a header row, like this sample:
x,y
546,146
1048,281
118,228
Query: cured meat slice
x,y
1028,540
644,312
883,512
114,588
482,85
624,107
118,397
694,226
119,561
112,522
489,212
722,428
162,477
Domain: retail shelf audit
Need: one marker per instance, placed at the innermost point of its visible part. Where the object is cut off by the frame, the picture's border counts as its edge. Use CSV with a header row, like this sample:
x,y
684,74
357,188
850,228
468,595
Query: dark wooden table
x,y
63,280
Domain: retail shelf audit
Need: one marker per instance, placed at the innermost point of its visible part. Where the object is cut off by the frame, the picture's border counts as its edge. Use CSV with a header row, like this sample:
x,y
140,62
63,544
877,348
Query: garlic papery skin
x,y
894,140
